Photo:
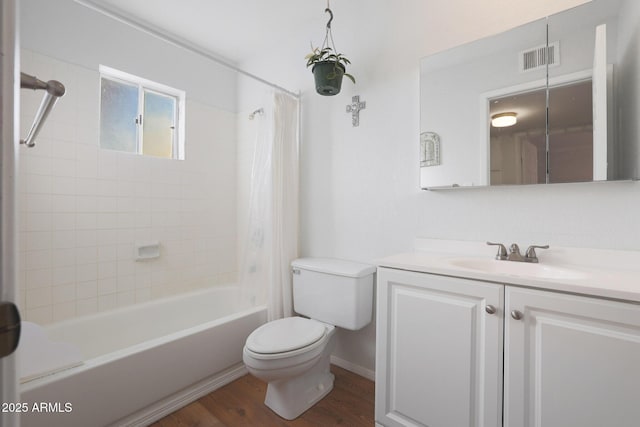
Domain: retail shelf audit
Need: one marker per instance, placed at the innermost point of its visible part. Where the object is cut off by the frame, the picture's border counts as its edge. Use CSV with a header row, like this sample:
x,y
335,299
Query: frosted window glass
x,y
158,125
118,113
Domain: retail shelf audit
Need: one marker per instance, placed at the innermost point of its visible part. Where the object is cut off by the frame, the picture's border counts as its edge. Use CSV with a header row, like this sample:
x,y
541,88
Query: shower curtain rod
x,y
176,41
53,91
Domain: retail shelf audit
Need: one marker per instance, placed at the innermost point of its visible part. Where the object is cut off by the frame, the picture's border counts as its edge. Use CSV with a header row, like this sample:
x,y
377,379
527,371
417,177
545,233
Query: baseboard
x,y
352,367
164,407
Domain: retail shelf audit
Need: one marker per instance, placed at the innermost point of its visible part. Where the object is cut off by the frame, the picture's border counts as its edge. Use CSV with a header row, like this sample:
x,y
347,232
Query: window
x,y
140,116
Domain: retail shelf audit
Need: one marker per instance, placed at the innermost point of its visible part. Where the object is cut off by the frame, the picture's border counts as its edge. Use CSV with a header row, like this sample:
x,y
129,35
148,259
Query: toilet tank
x,y
334,291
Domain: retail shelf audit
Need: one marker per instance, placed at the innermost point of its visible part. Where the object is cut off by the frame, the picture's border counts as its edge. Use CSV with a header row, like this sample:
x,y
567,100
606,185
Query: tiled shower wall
x,y
83,209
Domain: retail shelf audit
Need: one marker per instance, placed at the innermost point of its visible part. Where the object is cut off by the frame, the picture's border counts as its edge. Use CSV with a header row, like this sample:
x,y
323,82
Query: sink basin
x,y
523,269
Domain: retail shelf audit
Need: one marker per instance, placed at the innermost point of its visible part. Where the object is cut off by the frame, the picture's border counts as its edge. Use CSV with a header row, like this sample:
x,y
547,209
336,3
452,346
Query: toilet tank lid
x,y
338,267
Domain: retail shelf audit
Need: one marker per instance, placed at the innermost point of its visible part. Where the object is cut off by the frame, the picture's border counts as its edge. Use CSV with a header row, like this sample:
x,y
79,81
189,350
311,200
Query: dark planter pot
x,y
328,77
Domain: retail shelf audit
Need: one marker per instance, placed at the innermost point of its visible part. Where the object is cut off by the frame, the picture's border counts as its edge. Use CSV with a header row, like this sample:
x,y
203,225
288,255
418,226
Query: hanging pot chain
x,y
328,37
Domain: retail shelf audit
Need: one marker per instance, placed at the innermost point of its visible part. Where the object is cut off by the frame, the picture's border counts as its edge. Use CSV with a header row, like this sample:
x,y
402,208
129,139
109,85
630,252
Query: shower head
x,y
259,111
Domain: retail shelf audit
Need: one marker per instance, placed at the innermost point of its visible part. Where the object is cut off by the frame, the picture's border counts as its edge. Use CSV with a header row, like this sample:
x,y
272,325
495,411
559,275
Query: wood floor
x,y
240,403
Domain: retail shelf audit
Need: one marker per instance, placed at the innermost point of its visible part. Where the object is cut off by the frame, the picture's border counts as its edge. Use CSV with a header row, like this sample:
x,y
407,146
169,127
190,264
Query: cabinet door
x,y
439,352
571,361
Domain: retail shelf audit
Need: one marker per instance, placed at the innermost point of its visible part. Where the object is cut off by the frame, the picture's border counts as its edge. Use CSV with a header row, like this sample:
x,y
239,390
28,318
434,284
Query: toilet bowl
x,y
292,354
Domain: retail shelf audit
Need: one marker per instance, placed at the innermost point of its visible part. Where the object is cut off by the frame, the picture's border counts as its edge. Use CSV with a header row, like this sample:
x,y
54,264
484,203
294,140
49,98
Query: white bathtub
x,y
144,361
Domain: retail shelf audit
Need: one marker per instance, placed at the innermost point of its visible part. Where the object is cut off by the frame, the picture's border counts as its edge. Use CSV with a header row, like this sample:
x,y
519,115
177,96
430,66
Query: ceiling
x,y
232,29
239,30
569,106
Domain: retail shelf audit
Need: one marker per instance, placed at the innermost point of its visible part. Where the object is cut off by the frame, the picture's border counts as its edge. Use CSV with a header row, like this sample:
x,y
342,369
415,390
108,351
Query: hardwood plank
x,y
192,415
241,403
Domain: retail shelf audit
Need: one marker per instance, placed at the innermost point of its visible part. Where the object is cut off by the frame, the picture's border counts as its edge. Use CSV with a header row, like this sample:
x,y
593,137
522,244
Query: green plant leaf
x,y
350,77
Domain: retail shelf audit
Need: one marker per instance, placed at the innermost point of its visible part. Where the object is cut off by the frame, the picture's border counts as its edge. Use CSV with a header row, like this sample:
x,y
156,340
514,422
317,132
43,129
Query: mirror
x,y
565,89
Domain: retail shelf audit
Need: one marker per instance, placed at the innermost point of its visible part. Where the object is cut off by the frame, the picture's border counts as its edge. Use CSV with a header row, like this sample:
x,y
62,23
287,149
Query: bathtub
x,y
143,362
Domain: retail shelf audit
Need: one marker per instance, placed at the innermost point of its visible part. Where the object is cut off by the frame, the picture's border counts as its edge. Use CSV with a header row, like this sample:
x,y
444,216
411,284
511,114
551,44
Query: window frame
x,y
146,85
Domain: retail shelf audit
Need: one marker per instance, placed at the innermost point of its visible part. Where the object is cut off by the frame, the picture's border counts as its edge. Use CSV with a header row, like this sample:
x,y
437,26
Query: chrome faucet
x,y
514,252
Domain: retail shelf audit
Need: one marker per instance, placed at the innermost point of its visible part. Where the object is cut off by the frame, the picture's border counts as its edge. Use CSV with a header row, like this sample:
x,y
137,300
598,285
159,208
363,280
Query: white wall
x,y
360,196
82,208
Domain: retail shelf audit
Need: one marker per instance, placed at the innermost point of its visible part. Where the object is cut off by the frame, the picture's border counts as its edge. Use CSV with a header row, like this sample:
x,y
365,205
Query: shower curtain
x,y
272,226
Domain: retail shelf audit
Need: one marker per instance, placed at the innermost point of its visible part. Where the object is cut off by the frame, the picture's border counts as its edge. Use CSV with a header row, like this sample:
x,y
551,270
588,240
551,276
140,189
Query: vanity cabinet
x,y
569,360
439,350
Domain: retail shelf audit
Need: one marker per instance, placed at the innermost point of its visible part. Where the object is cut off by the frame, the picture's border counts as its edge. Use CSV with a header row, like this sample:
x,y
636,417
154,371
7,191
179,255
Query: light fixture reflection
x,y
503,120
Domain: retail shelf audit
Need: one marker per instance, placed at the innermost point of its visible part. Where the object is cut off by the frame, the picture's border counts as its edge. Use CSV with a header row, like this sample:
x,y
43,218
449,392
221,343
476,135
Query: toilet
x,y
292,354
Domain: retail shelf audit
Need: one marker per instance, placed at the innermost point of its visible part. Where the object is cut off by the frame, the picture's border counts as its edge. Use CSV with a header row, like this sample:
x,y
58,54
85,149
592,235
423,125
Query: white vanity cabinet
x,y
439,350
569,360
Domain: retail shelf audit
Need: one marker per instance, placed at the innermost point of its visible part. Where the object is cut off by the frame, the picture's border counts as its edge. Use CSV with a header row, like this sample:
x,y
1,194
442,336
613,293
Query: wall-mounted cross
x,y
354,108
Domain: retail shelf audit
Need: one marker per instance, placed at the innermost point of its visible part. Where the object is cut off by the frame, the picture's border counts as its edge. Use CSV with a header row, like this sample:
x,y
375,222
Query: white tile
x,y
107,286
38,165
143,279
86,153
142,189
125,166
86,272
64,275
107,221
39,297
38,278
143,219
64,293
86,168
63,149
64,311
63,239
64,257
126,283
63,168
39,184
87,204
126,267
38,222
35,240
87,186
107,188
87,289
63,221
126,189
125,251
38,259
86,238
86,221
108,253
143,295
107,302
143,204
125,236
107,269
39,203
126,204
63,185
107,204
126,298
107,164
40,315
107,237
126,220
87,255
86,306
63,203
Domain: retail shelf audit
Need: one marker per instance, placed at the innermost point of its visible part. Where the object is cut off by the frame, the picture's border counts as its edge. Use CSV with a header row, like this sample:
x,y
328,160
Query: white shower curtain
x,y
272,233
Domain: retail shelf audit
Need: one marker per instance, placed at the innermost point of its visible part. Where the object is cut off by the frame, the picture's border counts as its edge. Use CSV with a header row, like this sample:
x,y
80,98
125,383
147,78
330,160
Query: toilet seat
x,y
285,336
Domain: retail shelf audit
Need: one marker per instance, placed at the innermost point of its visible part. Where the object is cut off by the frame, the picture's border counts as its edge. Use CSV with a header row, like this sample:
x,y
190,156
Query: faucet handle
x,y
531,251
502,251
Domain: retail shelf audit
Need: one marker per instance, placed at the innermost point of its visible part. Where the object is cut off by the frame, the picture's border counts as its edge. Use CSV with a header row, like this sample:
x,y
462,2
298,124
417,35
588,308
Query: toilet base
x,y
289,398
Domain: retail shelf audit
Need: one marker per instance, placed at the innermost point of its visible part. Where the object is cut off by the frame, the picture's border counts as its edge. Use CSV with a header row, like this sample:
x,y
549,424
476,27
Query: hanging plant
x,y
328,67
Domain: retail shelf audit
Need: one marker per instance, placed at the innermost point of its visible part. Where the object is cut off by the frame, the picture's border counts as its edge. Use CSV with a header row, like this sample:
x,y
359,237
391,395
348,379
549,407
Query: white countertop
x,y
602,273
